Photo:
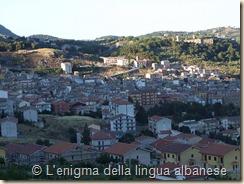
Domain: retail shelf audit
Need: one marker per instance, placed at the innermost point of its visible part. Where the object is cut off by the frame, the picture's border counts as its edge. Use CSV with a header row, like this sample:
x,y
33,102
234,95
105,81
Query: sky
x,y
90,19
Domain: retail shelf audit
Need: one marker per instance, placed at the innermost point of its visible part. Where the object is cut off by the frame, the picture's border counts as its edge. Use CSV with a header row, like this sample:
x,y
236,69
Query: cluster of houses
x,y
168,147
204,40
25,95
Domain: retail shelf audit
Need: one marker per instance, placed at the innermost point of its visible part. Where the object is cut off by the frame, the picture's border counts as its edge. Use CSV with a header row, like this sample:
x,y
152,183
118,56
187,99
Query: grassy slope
x,y
56,128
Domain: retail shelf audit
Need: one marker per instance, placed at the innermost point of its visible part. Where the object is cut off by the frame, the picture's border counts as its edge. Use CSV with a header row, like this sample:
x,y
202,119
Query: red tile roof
x,y
101,135
206,140
170,147
120,148
159,143
26,149
120,101
60,148
218,149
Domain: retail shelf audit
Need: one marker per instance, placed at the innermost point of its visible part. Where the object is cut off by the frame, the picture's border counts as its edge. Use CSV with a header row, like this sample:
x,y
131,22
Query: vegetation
x,y
86,139
127,138
224,54
141,115
180,111
43,71
44,142
223,138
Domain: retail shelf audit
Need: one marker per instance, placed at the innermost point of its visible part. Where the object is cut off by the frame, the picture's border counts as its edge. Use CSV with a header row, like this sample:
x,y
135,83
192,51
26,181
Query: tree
x,y
105,102
45,142
198,133
3,114
141,116
147,132
2,162
231,52
72,134
86,139
104,159
127,138
185,129
130,99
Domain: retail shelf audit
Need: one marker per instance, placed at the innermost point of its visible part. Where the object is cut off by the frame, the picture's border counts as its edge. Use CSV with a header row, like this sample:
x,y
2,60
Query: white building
x,y
9,127
23,103
192,125
122,106
43,106
102,140
156,124
122,62
231,121
6,105
66,67
30,115
142,63
122,123
124,152
109,60
119,61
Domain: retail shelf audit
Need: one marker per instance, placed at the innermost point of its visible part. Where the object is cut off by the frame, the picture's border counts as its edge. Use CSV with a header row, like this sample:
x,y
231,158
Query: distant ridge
x,y
4,32
43,37
218,31
227,32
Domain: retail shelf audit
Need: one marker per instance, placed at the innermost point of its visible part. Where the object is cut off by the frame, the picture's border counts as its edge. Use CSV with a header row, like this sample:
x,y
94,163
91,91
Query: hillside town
x,y
130,117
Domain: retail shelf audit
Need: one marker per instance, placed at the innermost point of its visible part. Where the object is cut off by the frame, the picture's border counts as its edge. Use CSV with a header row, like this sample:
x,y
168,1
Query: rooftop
x,y
120,148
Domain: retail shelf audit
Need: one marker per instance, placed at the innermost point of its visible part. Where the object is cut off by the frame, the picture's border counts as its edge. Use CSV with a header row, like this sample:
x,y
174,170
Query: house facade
x,y
122,152
102,140
30,114
156,124
9,127
71,152
122,123
219,155
122,106
24,154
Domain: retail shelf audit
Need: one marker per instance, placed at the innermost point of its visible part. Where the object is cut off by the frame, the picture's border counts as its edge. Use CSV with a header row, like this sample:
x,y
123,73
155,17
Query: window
x,y
137,157
173,156
221,160
192,155
209,157
215,158
168,155
235,157
179,158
